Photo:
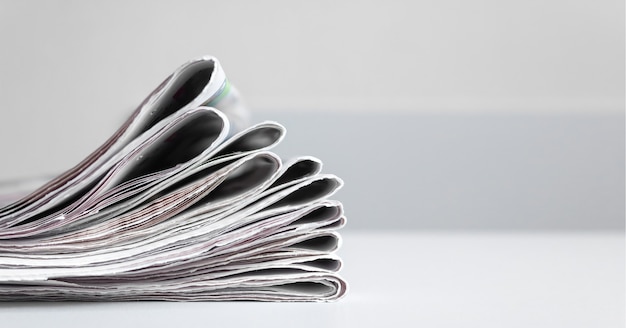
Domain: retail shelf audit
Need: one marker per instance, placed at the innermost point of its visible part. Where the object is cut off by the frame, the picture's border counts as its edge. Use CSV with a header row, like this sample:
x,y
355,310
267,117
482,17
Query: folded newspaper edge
x,y
183,202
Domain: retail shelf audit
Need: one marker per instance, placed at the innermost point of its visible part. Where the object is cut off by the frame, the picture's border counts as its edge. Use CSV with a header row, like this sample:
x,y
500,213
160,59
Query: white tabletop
x,y
410,280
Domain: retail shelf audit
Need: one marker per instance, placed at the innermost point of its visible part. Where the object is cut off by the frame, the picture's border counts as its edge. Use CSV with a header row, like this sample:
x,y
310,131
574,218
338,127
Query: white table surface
x,y
406,279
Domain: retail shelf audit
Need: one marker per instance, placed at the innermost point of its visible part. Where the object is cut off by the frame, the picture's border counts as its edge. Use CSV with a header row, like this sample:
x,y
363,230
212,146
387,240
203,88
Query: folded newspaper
x,y
183,202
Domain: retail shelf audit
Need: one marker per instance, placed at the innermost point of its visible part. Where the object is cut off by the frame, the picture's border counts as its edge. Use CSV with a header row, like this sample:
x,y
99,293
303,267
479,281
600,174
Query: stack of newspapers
x,y
184,202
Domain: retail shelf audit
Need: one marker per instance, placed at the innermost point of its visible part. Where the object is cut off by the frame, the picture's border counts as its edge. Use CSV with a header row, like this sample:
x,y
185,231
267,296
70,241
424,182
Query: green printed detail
x,y
225,91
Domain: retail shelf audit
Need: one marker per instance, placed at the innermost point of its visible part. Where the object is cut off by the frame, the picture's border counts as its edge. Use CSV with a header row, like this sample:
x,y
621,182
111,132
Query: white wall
x,y
460,55
71,71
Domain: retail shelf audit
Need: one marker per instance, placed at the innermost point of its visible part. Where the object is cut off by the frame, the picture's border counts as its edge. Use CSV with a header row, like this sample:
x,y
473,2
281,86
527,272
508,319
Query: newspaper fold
x,y
184,202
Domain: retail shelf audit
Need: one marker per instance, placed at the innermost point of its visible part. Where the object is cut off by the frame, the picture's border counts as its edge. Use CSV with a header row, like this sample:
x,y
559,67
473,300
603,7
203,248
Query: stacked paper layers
x,y
181,203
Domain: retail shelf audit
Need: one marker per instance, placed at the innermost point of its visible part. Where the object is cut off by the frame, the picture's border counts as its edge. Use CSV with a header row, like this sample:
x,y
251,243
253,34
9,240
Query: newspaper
x,y
183,202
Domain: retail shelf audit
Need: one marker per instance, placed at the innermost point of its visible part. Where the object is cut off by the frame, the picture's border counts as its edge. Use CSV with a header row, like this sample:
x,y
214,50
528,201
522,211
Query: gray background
x,y
437,114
